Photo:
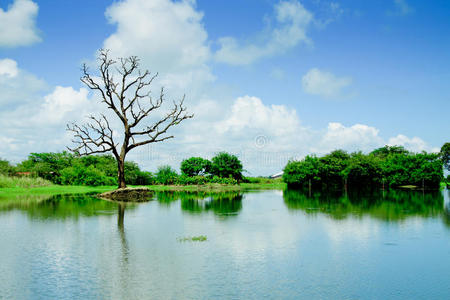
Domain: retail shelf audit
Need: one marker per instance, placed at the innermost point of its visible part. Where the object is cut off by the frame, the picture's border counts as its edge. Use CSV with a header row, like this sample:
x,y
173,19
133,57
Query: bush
x,y
195,166
221,180
6,168
257,180
86,176
226,165
300,173
166,175
391,165
194,180
363,171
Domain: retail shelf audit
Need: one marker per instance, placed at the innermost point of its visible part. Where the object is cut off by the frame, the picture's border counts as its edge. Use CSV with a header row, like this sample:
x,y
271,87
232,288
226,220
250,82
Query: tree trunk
x,y
121,173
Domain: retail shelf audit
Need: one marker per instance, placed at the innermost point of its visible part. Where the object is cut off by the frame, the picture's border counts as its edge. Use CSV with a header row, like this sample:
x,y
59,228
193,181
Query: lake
x,y
267,244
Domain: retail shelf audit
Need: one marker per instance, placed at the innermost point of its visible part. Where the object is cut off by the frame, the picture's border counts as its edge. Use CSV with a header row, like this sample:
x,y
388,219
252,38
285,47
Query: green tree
x,y
301,173
388,150
5,167
195,166
331,168
445,155
226,165
363,171
166,175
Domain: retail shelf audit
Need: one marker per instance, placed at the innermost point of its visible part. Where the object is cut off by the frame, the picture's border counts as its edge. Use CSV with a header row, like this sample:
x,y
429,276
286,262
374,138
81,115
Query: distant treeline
x,y
67,169
391,166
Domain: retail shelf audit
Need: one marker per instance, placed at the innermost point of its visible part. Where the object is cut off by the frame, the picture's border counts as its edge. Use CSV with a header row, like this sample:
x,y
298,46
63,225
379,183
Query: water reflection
x,y
222,204
389,205
59,206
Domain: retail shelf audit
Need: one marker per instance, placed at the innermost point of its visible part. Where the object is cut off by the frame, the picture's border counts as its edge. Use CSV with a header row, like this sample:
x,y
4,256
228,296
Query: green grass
x,y
54,190
200,238
22,182
215,187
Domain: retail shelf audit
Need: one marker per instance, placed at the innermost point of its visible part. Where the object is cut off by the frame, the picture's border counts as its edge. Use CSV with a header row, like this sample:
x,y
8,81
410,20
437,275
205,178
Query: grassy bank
x,y
68,189
219,187
53,190
22,182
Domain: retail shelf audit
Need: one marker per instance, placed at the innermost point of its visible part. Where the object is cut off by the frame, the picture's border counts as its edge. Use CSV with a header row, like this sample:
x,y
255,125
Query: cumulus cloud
x,y
8,67
264,136
17,86
414,144
167,36
352,138
17,24
324,84
250,113
63,104
292,22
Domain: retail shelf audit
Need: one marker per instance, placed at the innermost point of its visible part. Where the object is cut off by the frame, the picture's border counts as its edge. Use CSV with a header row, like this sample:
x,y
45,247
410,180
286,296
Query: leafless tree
x,y
130,100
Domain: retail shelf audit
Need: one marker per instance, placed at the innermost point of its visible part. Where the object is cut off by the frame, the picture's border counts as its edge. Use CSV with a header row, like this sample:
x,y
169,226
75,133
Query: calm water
x,y
274,244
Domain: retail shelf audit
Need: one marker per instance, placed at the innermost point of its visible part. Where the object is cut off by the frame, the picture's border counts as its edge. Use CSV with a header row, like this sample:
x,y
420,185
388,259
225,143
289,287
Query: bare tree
x,y
130,100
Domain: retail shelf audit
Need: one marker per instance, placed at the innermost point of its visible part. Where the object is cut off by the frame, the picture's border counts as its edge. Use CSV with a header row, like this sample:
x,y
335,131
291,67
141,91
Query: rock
x,y
128,195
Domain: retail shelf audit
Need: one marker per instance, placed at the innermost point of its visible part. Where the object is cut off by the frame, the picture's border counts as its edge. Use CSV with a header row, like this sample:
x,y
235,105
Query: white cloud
x,y
17,86
402,8
324,84
250,113
292,22
17,24
414,144
8,67
62,105
167,36
353,138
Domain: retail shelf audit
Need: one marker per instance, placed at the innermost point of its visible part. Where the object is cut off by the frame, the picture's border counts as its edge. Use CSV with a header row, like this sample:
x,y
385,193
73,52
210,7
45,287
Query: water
x,y
271,244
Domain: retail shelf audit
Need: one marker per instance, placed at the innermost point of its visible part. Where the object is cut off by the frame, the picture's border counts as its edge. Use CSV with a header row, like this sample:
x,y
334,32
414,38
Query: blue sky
x,y
301,76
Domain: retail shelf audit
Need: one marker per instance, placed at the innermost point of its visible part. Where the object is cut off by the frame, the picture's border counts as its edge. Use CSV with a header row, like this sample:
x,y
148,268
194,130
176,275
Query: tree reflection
x,y
224,204
59,206
392,205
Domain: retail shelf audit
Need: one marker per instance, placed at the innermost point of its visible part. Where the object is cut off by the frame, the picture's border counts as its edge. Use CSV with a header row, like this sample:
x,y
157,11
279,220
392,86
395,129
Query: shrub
x,y
166,175
363,171
300,173
257,180
6,168
194,180
222,180
225,165
393,166
195,166
85,176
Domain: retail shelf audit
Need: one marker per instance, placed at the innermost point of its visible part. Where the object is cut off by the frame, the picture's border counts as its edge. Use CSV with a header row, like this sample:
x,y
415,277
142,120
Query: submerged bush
x,y
301,173
389,165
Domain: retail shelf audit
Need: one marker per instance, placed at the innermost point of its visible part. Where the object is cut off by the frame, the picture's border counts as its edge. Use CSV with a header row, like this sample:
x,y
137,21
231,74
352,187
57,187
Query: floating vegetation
x,y
200,238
